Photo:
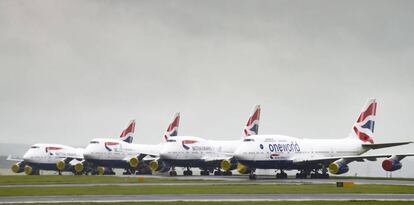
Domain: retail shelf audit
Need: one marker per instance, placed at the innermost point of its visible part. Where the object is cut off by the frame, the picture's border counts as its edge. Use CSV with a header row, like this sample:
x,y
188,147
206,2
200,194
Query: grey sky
x,y
74,70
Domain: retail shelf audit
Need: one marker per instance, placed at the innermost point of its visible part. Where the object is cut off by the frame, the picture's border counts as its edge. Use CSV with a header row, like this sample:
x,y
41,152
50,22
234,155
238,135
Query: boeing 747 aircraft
x,y
315,157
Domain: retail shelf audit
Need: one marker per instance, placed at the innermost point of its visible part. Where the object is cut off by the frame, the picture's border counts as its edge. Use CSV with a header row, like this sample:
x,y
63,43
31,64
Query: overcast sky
x,y
71,70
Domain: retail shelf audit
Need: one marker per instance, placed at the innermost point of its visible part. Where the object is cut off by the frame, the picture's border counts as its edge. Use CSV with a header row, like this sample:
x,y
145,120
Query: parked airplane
x,y
208,155
310,156
54,157
114,153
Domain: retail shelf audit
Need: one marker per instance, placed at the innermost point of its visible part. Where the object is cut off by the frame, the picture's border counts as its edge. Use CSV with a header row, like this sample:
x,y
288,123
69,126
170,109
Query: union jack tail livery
x,y
363,129
172,129
252,125
127,135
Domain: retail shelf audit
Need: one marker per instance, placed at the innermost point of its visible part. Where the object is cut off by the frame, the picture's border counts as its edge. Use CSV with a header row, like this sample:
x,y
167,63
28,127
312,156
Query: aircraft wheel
x,y
252,176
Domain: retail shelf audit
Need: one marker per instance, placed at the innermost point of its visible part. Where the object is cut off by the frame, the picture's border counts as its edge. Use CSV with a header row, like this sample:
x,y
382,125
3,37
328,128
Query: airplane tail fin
x,y
363,129
127,134
172,129
252,125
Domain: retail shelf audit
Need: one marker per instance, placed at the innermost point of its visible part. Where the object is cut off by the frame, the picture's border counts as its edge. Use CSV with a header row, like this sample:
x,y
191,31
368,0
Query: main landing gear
x,y
252,175
204,172
315,175
218,173
188,172
281,175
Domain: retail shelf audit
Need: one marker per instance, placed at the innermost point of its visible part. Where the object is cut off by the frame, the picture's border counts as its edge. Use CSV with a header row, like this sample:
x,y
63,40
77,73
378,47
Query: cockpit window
x,y
248,140
171,141
94,142
34,147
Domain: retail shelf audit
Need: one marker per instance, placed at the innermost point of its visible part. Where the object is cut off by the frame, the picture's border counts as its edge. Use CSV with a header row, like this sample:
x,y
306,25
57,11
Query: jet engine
x,y
79,167
228,165
28,170
242,169
133,162
18,167
338,167
159,165
104,171
60,165
391,165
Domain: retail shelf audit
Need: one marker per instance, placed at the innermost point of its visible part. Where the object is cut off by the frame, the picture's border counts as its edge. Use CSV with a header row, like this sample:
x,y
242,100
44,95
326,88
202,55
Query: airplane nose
x,y
26,156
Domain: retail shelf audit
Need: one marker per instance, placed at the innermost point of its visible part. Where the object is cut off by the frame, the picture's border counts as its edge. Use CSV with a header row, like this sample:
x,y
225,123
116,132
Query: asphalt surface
x,y
208,180
209,197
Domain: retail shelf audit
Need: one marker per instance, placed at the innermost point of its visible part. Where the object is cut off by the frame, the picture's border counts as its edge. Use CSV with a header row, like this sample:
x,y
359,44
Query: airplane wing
x,y
384,145
328,160
223,156
14,159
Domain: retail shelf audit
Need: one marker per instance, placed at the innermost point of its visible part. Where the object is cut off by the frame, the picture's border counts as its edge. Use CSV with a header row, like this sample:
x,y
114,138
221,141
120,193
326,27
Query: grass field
x,y
205,189
261,203
67,179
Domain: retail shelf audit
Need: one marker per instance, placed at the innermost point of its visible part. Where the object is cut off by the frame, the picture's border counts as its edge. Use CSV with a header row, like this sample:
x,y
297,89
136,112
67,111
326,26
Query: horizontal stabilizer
x,y
384,145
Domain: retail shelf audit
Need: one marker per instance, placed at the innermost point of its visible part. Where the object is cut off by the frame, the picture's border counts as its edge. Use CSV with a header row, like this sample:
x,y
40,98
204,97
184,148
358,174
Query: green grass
x,y
206,189
67,179
259,203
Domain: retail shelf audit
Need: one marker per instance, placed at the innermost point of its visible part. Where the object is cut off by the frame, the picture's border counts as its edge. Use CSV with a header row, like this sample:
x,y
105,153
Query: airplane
x,y
57,157
208,155
107,153
54,157
310,156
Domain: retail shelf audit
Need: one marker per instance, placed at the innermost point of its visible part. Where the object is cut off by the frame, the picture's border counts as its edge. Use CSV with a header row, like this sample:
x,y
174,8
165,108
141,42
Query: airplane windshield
x,y
171,141
34,147
248,140
94,142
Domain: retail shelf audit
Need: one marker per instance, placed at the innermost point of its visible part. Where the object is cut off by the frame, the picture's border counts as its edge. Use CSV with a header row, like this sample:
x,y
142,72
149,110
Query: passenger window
x,y
171,141
94,142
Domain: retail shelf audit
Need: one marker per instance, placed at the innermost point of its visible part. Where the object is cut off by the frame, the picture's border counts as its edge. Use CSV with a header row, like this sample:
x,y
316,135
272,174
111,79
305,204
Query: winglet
x,y
252,125
172,129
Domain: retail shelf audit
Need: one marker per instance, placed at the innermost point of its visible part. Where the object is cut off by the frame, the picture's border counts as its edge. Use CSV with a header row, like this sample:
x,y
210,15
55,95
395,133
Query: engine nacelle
x,y
104,171
79,167
18,167
391,165
338,168
227,165
28,170
159,166
242,169
133,162
60,165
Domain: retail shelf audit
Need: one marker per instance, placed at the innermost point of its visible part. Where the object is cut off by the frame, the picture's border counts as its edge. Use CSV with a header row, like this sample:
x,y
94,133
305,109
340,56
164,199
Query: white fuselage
x,y
114,153
279,151
190,151
45,156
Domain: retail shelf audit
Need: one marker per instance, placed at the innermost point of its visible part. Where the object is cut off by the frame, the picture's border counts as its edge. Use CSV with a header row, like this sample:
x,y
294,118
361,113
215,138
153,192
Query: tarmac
x,y
208,197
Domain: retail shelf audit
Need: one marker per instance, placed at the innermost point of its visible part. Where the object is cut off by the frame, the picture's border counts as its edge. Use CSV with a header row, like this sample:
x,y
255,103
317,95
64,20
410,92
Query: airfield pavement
x,y
215,180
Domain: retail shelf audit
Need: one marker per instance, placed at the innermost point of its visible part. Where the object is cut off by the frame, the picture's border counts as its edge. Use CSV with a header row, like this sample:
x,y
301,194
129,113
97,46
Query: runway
x,y
208,197
217,180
